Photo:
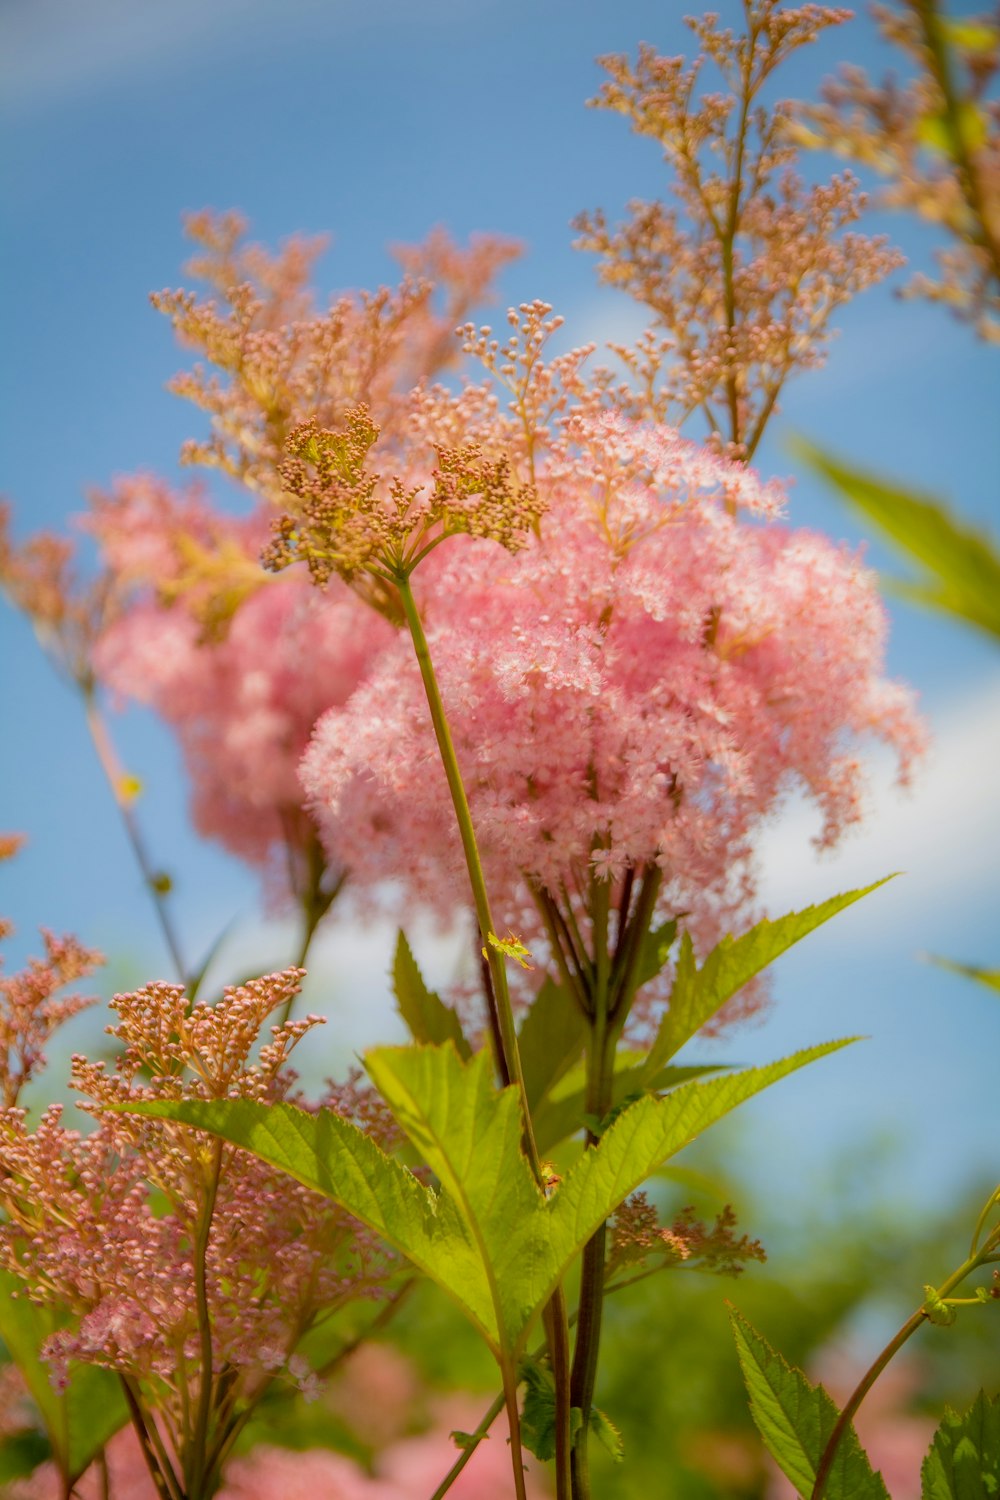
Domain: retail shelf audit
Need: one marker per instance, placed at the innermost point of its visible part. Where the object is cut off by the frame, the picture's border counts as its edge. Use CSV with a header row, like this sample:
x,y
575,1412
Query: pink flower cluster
x,y
239,664
643,683
108,1225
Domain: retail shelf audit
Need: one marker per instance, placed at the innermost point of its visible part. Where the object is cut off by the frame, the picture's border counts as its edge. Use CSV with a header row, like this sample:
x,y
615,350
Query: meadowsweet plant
x,y
506,647
192,1271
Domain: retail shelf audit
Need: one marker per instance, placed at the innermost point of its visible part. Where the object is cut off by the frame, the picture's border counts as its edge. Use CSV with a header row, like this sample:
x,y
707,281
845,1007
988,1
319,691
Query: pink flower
x,y
239,664
641,685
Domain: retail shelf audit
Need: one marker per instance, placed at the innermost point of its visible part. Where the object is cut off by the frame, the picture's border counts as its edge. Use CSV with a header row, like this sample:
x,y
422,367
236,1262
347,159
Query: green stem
x,y
514,1421
966,168
116,781
590,1314
315,903
475,1438
160,1471
509,1060
613,990
490,1416
557,1336
875,1369
508,1057
199,1449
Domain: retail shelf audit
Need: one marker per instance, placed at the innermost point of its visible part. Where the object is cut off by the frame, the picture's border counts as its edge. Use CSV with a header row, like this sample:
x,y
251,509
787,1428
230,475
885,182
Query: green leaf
x,y
96,1409
989,977
335,1158
538,1411
427,1017
21,1452
607,1434
656,946
640,1140
700,993
469,1133
24,1327
79,1421
795,1419
550,1040
561,1114
937,129
962,565
489,1237
969,34
964,1460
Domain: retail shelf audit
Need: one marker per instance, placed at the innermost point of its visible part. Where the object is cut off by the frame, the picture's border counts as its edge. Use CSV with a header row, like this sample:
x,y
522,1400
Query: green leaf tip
x,y
796,1419
424,1013
961,566
701,990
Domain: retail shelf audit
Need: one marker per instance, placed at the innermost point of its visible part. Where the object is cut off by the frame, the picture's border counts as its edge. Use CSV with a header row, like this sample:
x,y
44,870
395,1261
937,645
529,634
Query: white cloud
x,y
944,833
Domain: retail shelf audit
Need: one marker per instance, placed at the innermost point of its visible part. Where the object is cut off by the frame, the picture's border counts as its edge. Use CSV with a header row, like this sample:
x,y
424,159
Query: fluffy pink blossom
x,y
239,664
642,684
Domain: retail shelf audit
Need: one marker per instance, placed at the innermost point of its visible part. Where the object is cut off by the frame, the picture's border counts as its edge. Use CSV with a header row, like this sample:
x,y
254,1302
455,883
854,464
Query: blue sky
x,y
373,123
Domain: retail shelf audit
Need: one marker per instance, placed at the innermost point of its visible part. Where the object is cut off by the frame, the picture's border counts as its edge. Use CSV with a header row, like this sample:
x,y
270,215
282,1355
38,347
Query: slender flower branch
x,y
118,782
935,1308
509,1060
160,1469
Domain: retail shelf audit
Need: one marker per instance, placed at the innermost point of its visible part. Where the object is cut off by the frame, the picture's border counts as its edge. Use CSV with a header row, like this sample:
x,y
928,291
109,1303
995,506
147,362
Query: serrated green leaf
x,y
469,1133
641,1139
989,977
427,1017
550,1040
607,1434
963,565
538,1411
562,1113
489,1237
964,1459
699,993
795,1419
335,1158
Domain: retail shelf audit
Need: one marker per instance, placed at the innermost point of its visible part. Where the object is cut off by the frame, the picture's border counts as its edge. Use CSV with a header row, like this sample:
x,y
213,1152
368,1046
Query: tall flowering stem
x,y
373,530
508,1058
505,1036
605,984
